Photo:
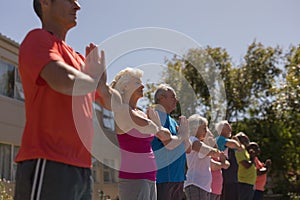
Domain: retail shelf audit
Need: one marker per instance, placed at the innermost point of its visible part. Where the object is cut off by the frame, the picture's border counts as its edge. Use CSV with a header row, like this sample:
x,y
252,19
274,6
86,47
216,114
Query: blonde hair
x,y
124,76
195,121
161,90
220,125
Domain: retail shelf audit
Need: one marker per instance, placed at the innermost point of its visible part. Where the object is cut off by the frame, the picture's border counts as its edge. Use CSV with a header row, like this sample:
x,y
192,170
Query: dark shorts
x,y
170,191
246,191
47,180
230,191
258,195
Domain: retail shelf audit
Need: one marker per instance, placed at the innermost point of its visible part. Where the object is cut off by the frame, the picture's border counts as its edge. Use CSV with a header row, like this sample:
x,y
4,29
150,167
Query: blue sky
x,y
230,24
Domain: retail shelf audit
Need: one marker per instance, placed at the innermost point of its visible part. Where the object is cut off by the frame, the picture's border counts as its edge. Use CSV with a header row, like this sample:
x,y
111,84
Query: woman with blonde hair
x,y
135,131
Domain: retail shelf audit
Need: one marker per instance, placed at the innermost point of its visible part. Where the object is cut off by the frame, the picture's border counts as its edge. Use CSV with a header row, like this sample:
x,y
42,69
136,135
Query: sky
x,y
230,24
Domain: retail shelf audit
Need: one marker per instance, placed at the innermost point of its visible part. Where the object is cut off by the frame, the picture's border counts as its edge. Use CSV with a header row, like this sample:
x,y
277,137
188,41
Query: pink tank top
x,y
137,157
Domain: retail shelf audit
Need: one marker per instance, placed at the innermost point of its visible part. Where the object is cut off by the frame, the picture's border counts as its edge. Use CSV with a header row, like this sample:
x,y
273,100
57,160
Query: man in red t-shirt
x,y
54,161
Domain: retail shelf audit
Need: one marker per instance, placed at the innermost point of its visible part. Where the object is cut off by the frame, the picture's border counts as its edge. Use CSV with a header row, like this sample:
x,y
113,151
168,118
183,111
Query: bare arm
x,y
61,77
221,164
216,165
68,80
246,163
266,168
233,144
204,149
127,119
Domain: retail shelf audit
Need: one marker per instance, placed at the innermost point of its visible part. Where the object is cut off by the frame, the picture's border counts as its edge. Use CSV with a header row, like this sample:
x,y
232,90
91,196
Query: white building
x,y
12,114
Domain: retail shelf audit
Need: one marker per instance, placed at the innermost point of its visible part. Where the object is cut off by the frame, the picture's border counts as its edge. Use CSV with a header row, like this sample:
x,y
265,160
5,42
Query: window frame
x,y
12,164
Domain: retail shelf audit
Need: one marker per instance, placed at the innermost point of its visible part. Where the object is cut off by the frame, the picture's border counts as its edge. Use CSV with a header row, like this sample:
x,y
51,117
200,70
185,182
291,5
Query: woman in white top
x,y
199,178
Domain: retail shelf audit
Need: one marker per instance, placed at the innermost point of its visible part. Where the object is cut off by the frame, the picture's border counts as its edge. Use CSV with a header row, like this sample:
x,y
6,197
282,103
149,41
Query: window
x,y
95,170
7,164
107,117
14,164
10,81
5,161
7,79
19,93
109,173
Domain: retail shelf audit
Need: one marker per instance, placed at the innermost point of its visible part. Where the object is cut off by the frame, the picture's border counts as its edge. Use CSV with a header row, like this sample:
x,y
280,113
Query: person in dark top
x,y
230,180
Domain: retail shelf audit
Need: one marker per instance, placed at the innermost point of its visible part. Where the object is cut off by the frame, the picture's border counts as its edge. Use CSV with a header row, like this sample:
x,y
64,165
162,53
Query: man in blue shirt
x,y
170,155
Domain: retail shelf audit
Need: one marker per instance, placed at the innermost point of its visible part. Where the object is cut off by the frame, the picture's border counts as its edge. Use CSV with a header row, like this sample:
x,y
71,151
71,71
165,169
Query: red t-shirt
x,y
58,127
262,179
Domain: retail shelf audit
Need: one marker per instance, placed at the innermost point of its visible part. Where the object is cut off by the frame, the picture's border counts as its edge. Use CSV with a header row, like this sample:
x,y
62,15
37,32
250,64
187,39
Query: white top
x,y
199,172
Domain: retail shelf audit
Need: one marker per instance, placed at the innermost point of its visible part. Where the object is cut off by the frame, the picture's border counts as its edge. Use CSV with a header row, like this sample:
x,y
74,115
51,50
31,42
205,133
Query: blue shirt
x,y
221,141
170,163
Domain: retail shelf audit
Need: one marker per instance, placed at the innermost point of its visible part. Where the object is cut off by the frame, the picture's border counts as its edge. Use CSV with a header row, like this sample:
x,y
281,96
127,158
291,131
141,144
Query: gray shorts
x,y
193,192
137,189
47,180
215,196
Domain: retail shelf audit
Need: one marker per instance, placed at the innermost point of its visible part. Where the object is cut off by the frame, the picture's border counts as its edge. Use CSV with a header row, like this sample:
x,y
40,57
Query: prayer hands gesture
x,y
95,63
163,134
153,116
183,130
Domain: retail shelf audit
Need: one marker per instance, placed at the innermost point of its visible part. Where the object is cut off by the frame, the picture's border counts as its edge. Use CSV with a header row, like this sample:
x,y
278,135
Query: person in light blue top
x,y
170,155
223,139
229,146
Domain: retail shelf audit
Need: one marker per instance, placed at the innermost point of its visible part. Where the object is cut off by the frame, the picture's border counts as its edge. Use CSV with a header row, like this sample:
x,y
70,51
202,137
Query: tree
x,y
287,107
198,83
262,99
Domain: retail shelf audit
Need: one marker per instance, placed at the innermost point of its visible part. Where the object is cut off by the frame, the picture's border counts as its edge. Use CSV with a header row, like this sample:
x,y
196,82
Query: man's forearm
x,y
174,142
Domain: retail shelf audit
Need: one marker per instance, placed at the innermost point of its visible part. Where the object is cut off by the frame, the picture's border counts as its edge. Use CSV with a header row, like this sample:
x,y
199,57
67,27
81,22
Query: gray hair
x,y
195,121
220,125
124,76
161,90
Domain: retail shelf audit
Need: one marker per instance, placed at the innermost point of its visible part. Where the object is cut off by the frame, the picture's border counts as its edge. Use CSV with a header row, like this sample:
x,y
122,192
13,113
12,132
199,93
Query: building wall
x,y
12,115
12,121
105,178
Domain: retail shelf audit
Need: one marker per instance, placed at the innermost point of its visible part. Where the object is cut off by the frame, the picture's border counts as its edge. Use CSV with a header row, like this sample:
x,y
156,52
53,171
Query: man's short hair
x,y
161,90
37,8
